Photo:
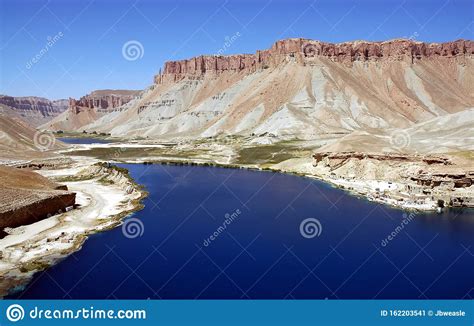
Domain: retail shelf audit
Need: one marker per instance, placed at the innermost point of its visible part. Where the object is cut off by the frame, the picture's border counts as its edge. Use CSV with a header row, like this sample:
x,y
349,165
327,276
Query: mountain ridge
x,y
288,92
89,108
305,49
33,109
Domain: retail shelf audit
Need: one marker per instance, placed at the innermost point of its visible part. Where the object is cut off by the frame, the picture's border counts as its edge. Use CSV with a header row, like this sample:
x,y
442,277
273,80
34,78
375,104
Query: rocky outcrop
x,y
28,197
103,99
308,90
453,179
35,208
89,108
334,160
418,181
305,51
111,174
34,110
39,112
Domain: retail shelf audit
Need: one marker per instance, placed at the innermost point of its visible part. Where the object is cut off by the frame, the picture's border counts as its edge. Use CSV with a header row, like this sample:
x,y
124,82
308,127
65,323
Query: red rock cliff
x,y
304,50
103,99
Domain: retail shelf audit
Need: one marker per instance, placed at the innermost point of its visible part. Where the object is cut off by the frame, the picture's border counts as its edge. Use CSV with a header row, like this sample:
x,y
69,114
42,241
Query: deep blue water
x,y
85,140
262,253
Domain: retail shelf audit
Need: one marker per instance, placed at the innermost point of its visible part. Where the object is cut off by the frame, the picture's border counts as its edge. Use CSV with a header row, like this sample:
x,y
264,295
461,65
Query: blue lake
x,y
261,253
84,140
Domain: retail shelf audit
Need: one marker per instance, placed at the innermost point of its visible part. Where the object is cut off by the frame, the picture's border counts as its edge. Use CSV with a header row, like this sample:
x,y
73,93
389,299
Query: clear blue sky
x,y
88,53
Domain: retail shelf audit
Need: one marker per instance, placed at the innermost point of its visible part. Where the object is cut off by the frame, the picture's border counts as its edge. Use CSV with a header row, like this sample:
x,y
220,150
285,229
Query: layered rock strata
x,y
305,50
34,110
103,99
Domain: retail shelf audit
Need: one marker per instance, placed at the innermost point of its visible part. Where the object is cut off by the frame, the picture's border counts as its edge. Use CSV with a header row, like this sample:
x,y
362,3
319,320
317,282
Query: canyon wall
x,y
305,51
34,110
309,90
89,108
103,99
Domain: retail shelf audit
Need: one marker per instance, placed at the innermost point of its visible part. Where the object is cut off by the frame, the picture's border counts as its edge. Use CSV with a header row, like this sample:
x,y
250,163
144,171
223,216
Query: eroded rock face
x,y
28,197
337,159
304,51
299,88
36,210
420,178
89,108
103,99
35,110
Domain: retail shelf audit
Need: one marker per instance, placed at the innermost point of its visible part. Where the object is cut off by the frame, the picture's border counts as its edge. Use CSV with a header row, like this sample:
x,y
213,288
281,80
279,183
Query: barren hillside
x,y
89,108
303,89
18,140
34,110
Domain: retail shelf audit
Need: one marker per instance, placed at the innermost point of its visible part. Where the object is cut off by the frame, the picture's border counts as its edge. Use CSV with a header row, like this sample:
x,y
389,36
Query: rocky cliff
x,y
34,110
89,108
407,179
304,51
28,197
334,160
103,99
304,89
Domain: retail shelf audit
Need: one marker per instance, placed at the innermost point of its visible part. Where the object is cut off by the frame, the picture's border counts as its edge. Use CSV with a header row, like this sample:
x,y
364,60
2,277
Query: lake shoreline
x,y
302,167
339,184
393,179
107,195
266,214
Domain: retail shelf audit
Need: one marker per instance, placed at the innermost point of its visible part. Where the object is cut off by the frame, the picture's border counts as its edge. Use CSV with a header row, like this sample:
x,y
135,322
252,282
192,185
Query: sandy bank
x,y
33,247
